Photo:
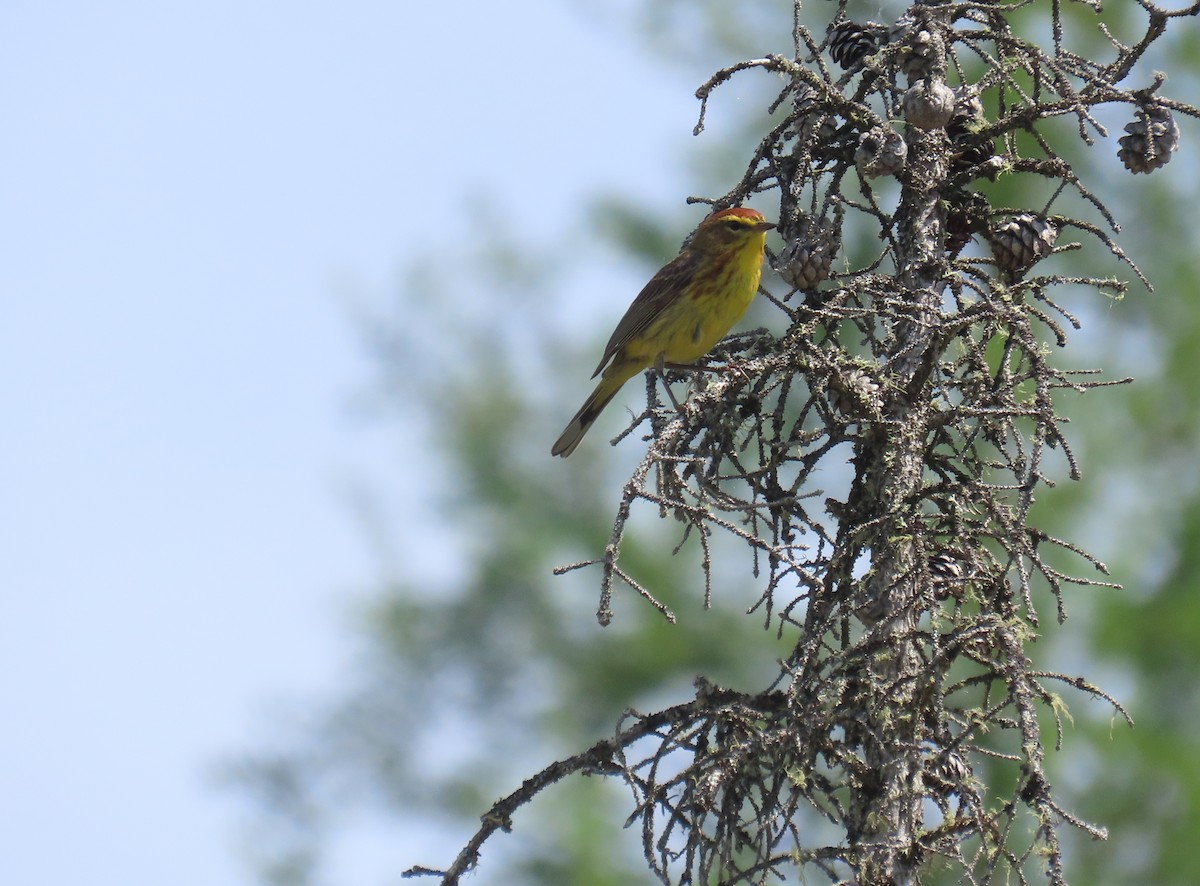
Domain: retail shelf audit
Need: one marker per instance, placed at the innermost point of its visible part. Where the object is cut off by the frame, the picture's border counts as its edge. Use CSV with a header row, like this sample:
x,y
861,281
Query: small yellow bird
x,y
685,309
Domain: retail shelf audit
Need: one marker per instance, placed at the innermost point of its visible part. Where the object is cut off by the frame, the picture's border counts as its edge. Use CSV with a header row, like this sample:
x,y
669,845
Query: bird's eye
x,y
733,225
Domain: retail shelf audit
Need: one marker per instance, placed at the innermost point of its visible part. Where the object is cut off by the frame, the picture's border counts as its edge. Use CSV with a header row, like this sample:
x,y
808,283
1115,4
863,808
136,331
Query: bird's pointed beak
x,y
764,226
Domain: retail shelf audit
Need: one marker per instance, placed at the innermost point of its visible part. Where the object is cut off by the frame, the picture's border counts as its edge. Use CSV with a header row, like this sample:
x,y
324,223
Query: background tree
x,y
515,648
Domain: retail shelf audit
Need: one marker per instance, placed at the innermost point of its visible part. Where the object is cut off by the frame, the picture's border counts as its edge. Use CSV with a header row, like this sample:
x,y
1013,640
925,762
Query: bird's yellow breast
x,y
688,329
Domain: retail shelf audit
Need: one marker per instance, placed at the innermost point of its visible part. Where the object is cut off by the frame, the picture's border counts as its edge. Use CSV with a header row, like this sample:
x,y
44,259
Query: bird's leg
x,y
659,366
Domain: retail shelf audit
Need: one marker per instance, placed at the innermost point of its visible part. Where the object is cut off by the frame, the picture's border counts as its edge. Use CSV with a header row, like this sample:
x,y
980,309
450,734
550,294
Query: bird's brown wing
x,y
656,296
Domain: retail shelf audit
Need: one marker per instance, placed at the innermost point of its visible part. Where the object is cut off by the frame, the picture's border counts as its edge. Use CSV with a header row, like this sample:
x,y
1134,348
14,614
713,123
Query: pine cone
x,y
944,566
1153,137
922,52
945,773
850,43
946,571
807,257
929,104
958,235
1024,240
880,152
966,215
816,127
967,147
854,393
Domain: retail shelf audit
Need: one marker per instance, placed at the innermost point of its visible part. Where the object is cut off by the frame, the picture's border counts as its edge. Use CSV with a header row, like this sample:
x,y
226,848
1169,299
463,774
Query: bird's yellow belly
x,y
688,329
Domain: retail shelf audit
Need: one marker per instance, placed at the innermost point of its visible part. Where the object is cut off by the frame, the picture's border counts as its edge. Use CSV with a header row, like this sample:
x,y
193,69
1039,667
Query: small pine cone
x,y
854,393
967,147
1023,240
850,43
958,235
1153,137
971,151
921,55
946,571
966,215
944,566
880,152
807,257
929,104
945,773
967,103
828,142
816,127
807,111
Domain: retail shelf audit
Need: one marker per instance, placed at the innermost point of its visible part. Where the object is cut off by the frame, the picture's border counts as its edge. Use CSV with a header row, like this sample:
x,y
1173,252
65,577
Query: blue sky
x,y
192,193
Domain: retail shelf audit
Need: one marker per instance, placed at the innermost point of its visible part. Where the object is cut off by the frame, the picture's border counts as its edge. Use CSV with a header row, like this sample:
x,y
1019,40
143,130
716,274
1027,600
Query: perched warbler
x,y
685,309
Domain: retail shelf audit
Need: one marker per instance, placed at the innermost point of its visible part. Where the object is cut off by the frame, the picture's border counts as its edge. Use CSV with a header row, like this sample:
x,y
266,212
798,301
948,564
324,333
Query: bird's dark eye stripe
x,y
733,225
